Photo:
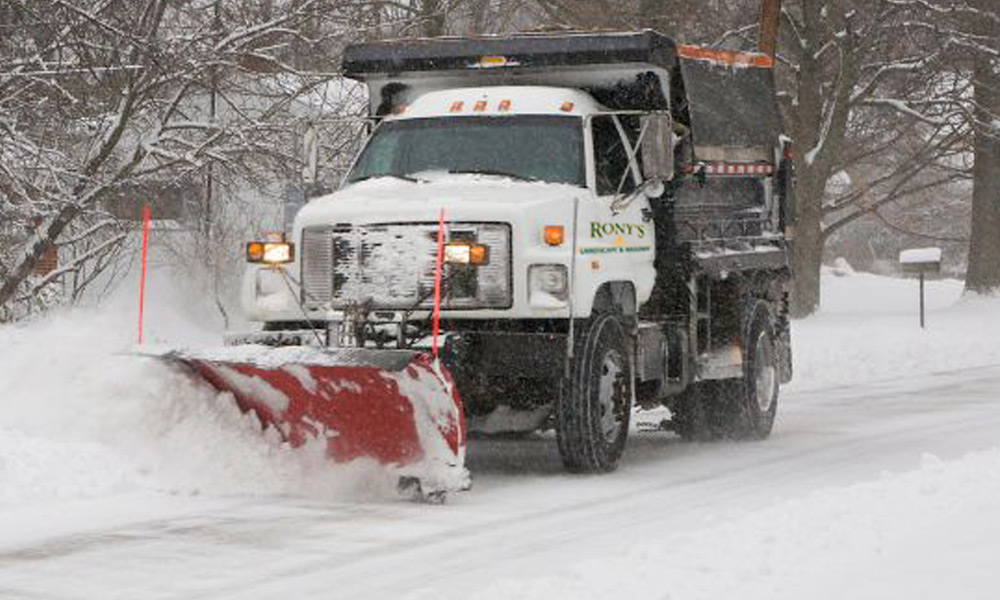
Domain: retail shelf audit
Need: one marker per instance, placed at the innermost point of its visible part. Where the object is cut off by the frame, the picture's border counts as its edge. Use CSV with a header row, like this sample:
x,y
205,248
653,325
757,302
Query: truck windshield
x,y
528,147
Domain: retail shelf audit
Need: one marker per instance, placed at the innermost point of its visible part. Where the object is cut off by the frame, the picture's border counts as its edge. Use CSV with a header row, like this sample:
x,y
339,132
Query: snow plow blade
x,y
397,407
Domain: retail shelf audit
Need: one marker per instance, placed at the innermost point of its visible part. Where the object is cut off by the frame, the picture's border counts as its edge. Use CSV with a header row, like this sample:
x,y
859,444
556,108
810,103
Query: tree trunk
x,y
45,242
805,119
432,12
807,243
984,247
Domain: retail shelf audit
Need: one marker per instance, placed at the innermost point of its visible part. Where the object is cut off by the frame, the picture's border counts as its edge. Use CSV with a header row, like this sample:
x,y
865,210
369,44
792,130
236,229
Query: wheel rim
x,y
766,376
611,393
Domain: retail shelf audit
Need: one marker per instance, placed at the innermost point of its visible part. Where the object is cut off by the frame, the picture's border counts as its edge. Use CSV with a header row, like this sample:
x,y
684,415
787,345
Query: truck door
x,y
616,242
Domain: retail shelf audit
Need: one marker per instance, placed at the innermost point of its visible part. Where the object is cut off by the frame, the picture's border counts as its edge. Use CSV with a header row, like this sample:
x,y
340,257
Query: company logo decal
x,y
615,233
602,230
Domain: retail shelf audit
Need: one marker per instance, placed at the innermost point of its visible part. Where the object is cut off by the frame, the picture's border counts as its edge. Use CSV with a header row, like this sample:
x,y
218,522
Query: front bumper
x,y
316,338
468,353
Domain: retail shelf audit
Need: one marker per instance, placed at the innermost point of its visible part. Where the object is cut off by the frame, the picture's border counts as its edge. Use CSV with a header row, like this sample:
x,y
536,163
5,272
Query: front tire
x,y
595,404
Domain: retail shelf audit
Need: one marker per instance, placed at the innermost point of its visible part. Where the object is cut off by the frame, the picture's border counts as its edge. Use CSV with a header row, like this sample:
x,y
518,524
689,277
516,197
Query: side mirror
x,y
657,146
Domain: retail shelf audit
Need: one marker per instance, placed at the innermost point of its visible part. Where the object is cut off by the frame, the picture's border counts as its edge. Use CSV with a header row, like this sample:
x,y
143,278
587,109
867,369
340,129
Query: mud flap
x,y
398,407
784,348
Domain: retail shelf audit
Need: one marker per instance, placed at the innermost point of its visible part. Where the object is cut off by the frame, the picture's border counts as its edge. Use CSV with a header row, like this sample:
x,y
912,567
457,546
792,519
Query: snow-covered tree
x,y
854,84
850,85
104,100
966,35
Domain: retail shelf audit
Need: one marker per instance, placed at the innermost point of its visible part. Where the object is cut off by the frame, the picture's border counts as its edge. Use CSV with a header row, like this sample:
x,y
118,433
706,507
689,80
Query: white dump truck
x,y
613,209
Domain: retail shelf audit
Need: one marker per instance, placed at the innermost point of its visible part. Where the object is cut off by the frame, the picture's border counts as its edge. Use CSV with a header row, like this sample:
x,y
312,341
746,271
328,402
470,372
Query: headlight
x,y
552,280
271,253
466,254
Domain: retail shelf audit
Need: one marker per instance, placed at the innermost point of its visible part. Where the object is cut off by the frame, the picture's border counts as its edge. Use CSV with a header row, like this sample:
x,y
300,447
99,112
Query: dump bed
x,y
523,53
726,98
731,103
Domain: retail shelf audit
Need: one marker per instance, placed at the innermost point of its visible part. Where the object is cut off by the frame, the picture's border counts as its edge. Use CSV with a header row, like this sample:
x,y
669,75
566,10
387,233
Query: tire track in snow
x,y
700,481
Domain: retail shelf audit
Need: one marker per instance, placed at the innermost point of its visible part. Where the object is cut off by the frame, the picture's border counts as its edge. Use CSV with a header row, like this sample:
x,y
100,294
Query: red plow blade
x,y
397,407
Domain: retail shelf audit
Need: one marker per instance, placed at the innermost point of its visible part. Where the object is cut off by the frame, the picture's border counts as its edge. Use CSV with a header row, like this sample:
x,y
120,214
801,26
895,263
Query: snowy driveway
x,y
782,518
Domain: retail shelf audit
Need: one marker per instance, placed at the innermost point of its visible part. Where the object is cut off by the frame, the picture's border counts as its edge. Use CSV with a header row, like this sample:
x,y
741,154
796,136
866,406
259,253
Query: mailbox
x,y
920,262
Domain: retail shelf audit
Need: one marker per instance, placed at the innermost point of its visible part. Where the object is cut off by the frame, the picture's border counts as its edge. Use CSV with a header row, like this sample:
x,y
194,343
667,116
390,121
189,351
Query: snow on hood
x,y
462,196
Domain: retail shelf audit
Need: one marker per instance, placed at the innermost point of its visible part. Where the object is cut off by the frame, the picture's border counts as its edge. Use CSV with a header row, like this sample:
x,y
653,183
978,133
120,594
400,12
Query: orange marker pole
x,y
146,217
438,268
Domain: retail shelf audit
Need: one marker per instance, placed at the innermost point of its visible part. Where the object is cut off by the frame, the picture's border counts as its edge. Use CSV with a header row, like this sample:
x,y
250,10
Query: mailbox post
x,y
921,262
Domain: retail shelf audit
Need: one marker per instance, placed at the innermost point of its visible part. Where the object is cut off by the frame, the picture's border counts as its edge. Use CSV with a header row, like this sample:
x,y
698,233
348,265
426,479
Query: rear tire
x,y
595,405
744,409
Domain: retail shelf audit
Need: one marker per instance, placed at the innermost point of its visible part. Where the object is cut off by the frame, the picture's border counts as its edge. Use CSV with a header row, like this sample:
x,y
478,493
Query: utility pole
x,y
770,20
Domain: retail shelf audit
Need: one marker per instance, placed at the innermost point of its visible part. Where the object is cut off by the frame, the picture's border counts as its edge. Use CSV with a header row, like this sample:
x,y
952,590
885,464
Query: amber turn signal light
x,y
478,255
554,235
255,252
272,253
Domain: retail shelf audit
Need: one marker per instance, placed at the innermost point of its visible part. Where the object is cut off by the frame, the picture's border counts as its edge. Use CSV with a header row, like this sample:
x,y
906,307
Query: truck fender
x,y
615,297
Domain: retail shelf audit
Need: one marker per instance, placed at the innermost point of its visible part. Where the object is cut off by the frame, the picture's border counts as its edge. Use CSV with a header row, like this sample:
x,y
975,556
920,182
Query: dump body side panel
x,y
733,110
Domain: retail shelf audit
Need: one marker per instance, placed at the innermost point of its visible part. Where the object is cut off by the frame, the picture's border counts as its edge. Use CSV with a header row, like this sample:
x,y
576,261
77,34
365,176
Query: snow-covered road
x,y
882,480
528,530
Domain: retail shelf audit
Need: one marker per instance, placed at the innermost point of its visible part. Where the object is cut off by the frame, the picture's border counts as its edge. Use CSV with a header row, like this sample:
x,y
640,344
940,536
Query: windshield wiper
x,y
393,175
494,173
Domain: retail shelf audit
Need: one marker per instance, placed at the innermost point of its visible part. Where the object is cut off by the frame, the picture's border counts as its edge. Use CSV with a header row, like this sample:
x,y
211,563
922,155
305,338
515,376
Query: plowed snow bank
x,y
80,416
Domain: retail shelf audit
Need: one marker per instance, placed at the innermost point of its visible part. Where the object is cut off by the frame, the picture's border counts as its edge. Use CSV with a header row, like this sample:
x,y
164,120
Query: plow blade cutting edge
x,y
398,407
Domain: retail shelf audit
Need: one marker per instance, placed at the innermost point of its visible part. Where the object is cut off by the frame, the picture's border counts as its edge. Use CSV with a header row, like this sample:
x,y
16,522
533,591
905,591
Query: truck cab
x,y
527,167
613,234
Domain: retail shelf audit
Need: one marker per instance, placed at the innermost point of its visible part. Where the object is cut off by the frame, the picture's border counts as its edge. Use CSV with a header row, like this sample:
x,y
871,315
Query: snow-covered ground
x,y
122,478
869,330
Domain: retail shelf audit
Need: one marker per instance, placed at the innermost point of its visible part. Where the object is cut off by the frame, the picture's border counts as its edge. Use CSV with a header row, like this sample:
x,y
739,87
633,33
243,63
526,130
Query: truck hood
x,y
463,197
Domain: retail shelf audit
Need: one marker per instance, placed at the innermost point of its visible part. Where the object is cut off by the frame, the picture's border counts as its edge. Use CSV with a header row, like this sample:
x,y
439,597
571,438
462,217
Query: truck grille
x,y
392,266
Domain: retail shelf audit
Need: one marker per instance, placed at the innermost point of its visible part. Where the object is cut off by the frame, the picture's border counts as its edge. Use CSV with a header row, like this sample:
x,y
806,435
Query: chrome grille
x,y
393,267
494,278
317,265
